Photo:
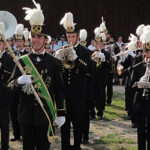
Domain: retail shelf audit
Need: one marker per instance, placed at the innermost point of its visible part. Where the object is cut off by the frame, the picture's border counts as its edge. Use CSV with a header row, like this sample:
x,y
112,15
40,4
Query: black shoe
x,y
133,126
128,118
85,142
100,117
92,117
108,103
71,147
15,139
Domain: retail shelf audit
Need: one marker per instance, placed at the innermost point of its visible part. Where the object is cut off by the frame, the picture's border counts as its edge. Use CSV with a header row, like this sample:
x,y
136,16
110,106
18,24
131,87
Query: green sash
x,y
40,86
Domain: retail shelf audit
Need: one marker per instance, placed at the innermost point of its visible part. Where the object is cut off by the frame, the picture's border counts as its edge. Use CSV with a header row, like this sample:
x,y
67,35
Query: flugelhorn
x,y
66,55
120,69
96,58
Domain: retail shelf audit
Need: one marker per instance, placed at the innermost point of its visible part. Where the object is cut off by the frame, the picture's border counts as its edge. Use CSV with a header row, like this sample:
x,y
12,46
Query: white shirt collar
x,y
76,44
38,58
3,52
22,50
38,53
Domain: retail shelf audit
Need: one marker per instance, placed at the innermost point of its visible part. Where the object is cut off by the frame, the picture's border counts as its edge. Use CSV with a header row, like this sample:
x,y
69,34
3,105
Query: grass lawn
x,y
115,140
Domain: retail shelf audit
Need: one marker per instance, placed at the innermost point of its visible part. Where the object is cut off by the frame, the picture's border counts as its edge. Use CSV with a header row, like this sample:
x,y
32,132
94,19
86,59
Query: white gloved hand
x,y
57,54
144,79
60,121
147,73
146,76
115,58
102,56
119,61
24,79
131,53
122,58
74,55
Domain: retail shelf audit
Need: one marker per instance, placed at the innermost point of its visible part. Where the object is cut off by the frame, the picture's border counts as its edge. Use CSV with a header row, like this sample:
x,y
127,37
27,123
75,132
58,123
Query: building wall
x,y
121,16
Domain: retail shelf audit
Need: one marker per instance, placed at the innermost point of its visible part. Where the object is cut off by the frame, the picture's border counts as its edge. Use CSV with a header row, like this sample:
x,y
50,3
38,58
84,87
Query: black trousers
x,y
129,103
87,126
100,96
35,137
128,99
76,114
109,85
143,124
4,126
14,116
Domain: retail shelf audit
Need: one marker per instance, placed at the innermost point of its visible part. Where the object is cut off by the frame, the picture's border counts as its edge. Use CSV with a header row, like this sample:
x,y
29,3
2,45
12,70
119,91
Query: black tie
x,y
38,55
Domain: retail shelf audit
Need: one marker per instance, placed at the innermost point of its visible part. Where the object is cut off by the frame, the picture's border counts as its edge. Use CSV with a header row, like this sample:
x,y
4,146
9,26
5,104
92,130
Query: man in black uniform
x,y
75,81
33,121
19,40
6,67
129,91
102,58
110,48
27,43
142,97
90,90
142,104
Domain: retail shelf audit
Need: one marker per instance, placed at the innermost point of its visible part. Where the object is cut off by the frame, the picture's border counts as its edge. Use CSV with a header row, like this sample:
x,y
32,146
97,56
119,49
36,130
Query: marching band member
x,y
102,59
90,90
76,66
19,40
142,97
6,67
37,115
47,46
27,43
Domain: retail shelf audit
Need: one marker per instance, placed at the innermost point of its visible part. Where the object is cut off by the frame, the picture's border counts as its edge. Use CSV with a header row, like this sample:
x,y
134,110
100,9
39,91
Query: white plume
x,y
103,36
67,21
83,35
19,29
133,38
145,37
133,42
139,29
103,26
49,39
97,31
131,46
2,28
34,16
146,28
26,34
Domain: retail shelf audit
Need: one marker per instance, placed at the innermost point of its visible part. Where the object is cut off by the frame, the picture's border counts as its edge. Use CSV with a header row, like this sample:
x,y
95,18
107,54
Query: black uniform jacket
x,y
6,69
49,68
75,79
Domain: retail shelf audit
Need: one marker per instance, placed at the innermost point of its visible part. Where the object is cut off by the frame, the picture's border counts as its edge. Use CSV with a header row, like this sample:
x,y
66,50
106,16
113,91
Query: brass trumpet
x,y
120,69
96,58
66,56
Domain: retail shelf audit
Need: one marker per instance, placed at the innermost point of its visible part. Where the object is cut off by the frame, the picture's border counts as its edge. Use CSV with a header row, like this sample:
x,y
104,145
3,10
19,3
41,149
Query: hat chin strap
x,y
41,46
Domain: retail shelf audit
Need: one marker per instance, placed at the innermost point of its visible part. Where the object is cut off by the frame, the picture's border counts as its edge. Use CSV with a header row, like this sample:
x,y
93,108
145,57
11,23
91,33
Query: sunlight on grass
x,y
116,110
114,138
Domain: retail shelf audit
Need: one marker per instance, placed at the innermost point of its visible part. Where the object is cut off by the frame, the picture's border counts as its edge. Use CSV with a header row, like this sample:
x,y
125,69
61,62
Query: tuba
x,y
66,55
10,23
